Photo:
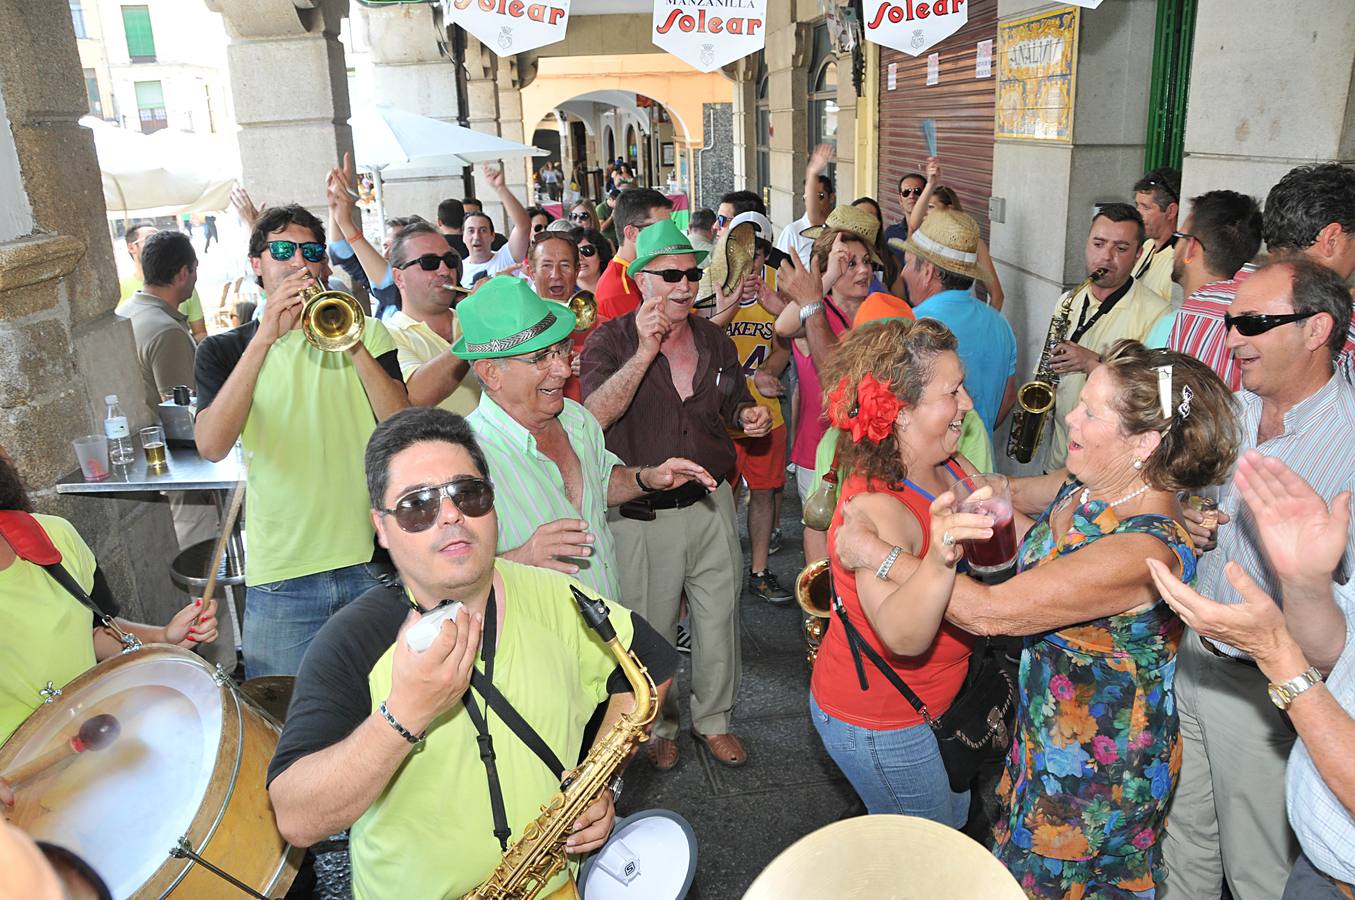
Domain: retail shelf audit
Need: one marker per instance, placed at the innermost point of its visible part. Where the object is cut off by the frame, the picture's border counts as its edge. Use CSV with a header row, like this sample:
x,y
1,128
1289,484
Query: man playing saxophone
x,y
1112,308
391,742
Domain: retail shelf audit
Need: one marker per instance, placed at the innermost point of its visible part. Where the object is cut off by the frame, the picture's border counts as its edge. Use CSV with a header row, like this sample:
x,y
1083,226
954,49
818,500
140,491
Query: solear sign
x,y
708,34
913,26
510,26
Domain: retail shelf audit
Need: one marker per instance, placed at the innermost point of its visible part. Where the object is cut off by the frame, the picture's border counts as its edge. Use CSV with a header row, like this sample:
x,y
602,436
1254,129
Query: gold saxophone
x,y
539,853
1035,398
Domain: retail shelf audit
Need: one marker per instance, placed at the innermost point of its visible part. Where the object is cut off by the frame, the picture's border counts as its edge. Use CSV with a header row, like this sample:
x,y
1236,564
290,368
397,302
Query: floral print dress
x,y
1095,755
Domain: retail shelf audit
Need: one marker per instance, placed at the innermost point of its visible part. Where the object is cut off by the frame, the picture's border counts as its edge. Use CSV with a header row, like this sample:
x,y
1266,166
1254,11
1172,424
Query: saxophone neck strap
x,y
483,683
1084,324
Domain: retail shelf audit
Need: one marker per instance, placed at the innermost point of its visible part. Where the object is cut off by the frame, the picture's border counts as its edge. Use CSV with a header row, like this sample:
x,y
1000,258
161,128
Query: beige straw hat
x,y
885,856
732,259
947,239
850,218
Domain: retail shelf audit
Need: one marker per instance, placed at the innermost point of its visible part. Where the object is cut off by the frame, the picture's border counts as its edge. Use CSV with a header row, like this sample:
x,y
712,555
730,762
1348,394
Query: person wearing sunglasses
x,y
1219,237
910,189
1157,197
387,739
595,254
540,220
1286,327
547,455
428,273
303,416
583,215
662,381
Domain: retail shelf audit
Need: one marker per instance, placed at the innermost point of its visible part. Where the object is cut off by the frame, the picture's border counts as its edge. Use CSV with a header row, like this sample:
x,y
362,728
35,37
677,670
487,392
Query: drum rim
x,y
212,810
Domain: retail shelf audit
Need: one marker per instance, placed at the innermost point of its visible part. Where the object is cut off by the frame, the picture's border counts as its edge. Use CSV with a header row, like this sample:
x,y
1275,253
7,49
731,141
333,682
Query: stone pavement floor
x,y
742,817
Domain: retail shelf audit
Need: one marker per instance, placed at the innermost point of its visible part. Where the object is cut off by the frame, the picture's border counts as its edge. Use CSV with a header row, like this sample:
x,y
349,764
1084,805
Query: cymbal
x,y
885,857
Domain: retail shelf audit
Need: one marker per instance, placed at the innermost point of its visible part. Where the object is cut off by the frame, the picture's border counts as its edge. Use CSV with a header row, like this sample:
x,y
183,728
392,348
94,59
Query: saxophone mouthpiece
x,y
1097,275
594,613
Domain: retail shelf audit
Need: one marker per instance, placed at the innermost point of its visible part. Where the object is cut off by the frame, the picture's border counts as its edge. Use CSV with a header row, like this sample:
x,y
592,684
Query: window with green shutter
x,y
136,22
150,105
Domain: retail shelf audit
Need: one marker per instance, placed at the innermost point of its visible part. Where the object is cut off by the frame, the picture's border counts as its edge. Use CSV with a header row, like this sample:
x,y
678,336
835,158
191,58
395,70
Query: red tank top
x,y
936,675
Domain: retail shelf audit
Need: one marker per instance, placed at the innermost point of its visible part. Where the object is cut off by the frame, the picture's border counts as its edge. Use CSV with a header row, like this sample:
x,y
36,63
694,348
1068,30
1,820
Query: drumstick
x,y
232,511
96,733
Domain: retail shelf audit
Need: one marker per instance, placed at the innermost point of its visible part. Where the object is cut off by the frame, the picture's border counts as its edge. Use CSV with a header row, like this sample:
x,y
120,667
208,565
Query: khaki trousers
x,y
1228,817
695,550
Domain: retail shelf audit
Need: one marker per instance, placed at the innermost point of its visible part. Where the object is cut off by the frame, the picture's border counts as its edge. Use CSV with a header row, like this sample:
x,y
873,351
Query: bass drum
x,y
188,768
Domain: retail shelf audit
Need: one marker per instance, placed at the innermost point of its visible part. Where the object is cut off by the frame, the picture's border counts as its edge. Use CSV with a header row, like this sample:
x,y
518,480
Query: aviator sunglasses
x,y
418,510
1252,324
311,251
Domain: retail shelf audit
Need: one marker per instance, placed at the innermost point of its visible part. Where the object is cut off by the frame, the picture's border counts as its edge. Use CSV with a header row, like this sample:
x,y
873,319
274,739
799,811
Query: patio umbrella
x,y
389,141
161,174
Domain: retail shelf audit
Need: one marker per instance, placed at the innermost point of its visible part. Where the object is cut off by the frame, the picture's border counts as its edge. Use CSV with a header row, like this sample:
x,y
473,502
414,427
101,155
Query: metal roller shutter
x,y
962,107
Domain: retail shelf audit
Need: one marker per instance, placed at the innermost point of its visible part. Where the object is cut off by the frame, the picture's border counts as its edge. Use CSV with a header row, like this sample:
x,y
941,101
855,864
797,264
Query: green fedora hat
x,y
663,238
505,317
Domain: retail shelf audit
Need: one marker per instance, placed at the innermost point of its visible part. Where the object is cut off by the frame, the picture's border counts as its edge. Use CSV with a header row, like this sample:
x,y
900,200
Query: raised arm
x,y
920,207
995,295
816,206
338,187
609,399
520,236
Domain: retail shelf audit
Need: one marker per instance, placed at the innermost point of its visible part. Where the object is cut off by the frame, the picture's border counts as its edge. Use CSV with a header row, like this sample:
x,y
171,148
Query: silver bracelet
x,y
810,309
882,573
400,729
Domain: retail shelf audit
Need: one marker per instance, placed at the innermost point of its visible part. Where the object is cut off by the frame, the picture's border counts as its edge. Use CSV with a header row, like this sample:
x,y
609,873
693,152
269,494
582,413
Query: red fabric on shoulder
x,y
27,538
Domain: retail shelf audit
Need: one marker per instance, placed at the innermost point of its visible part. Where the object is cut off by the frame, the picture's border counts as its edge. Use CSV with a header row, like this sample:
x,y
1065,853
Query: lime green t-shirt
x,y
190,309
436,811
45,633
304,438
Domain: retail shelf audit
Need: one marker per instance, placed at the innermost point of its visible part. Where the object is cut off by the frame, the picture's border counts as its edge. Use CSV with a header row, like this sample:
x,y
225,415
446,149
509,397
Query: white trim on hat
x,y
923,242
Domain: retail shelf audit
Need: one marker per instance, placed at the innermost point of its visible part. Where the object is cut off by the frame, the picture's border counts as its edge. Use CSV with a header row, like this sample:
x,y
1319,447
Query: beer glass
x,y
995,554
153,445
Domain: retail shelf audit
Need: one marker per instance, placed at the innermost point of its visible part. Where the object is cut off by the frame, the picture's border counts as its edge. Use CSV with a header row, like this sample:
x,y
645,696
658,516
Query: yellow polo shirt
x,y
417,344
1157,273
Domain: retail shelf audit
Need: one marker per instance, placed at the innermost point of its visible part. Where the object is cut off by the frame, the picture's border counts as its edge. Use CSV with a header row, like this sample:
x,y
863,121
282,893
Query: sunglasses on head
x,y
910,192
429,262
1158,182
673,276
311,251
1252,324
587,250
418,510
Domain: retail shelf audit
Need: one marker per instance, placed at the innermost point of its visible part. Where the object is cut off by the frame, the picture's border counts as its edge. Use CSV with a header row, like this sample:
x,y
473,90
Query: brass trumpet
x,y
584,306
331,320
813,593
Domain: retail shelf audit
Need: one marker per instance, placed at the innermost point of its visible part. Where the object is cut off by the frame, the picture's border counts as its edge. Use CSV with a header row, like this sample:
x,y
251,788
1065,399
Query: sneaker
x,y
684,639
775,545
765,585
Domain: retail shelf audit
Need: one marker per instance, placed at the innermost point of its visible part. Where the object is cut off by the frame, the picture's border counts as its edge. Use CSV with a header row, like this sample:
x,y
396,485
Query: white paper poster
x,y
933,68
983,64
1088,4
510,26
707,37
914,26
893,76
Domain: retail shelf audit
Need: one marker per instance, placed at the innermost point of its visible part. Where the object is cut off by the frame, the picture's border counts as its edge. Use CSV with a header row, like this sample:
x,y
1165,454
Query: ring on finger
x,y
948,540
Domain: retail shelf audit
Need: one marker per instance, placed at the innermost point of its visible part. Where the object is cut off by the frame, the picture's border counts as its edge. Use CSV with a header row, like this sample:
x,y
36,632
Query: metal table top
x,y
187,472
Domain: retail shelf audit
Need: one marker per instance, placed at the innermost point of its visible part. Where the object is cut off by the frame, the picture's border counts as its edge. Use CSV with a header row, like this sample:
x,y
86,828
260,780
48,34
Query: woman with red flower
x,y
899,399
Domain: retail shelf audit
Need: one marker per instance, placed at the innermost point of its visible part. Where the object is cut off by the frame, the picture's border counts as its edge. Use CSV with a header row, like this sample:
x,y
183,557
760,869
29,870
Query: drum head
x,y
650,855
122,809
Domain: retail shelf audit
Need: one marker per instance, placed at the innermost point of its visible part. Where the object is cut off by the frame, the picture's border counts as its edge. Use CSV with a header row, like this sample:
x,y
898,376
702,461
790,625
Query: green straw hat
x,y
505,317
663,238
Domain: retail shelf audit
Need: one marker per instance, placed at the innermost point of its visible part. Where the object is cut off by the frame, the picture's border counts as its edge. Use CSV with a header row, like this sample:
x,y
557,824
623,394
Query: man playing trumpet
x,y
303,415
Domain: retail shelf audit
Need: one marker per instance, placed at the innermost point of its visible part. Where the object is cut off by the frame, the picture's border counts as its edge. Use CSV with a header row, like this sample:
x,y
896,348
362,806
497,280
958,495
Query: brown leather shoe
x,y
725,749
663,753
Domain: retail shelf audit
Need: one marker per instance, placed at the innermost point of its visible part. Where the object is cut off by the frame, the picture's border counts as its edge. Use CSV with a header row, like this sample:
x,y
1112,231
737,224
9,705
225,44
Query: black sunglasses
x,y
1187,236
911,192
1158,182
311,251
588,250
429,262
721,220
579,217
673,276
1252,324
418,510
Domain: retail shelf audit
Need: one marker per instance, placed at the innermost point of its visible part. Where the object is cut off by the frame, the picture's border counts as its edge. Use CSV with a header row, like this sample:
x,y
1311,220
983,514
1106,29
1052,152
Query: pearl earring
x,y
1138,464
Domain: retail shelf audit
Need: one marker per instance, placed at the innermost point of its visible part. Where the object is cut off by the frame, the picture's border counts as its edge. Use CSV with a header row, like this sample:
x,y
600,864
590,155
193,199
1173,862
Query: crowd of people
x,y
582,402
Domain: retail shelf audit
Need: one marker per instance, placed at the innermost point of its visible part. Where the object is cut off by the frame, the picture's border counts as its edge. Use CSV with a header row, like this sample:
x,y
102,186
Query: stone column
x,y
290,86
1259,108
1050,189
743,124
61,347
496,108
410,73
788,45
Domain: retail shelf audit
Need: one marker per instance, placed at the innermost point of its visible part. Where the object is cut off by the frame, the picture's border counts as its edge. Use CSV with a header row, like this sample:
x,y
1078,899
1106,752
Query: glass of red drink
x,y
999,551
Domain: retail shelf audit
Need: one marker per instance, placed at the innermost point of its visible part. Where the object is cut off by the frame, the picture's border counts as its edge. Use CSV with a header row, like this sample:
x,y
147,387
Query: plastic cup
x,y
153,446
995,554
92,452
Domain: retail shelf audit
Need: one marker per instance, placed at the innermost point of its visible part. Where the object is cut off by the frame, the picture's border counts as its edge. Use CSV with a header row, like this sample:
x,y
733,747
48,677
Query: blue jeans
x,y
896,771
282,617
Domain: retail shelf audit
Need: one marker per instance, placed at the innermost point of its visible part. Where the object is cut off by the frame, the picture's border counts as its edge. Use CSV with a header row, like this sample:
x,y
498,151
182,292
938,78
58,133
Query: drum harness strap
x,y
484,684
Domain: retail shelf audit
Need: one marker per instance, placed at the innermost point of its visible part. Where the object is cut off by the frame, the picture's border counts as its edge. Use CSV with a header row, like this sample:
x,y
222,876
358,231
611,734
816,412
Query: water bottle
x,y
120,451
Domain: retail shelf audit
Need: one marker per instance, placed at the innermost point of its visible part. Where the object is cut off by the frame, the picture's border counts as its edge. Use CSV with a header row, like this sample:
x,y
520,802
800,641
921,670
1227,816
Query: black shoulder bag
x,y
977,729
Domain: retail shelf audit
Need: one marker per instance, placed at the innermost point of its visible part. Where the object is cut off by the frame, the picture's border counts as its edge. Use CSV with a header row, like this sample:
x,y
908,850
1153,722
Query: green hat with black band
x,y
505,317
663,238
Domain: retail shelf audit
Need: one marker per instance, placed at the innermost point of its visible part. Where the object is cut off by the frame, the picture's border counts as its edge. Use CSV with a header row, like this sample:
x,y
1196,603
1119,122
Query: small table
x,y
186,471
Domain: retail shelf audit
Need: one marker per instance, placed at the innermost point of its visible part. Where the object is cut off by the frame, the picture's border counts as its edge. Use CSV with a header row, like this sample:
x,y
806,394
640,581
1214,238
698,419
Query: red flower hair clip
x,y
872,414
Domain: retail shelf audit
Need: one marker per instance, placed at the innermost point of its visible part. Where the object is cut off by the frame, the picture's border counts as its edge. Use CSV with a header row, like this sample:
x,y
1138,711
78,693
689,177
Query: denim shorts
x,y
894,771
282,617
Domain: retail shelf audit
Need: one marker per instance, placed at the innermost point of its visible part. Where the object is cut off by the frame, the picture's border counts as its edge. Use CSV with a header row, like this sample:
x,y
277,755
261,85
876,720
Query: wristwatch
x,y
1283,694
810,309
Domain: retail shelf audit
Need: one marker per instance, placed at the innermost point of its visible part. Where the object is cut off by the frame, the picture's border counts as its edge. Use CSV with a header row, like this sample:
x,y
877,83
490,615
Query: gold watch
x,y
1283,694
